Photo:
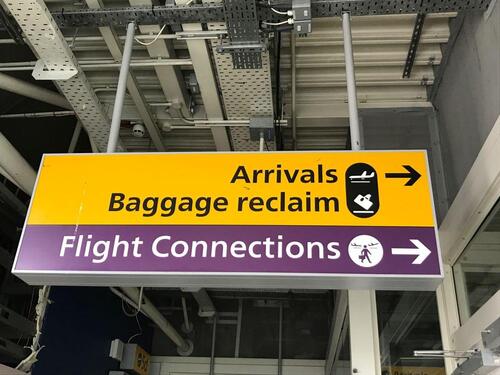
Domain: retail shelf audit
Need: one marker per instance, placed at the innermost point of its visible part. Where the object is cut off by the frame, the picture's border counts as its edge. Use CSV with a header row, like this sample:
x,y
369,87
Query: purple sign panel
x,y
228,256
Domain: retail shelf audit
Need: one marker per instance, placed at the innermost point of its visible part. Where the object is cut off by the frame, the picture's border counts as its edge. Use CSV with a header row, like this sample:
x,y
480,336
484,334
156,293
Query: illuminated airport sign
x,y
246,220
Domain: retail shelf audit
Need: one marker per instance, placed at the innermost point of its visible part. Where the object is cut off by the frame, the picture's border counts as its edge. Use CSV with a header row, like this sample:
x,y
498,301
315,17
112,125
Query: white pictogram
x,y
366,251
365,202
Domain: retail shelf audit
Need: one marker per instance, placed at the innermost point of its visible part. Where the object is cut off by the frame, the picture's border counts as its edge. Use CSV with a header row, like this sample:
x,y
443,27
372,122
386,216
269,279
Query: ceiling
x,y
380,46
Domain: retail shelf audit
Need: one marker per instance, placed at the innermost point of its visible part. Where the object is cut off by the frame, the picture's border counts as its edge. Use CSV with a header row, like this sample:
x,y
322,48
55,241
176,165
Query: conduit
x,y
30,90
16,167
38,114
294,86
351,83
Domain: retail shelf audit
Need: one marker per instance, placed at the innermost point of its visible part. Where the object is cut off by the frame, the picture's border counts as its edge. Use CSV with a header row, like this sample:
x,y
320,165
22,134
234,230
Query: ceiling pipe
x,y
100,64
16,167
294,86
184,347
38,114
20,87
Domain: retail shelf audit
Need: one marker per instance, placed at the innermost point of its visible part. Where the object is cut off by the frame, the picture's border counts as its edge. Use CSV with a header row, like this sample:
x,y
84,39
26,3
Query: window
x,y
477,271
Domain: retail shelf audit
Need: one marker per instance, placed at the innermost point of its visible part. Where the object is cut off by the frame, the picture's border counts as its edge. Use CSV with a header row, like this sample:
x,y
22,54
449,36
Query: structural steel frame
x,y
209,12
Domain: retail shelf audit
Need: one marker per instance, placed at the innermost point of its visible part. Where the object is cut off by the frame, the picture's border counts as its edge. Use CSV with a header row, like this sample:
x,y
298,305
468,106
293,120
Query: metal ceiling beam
x,y
16,166
27,89
206,12
115,48
50,46
202,65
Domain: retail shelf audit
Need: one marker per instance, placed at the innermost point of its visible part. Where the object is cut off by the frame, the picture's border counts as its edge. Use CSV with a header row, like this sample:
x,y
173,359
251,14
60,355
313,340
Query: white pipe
x,y
294,85
99,64
351,83
114,131
261,142
182,35
148,308
30,90
16,167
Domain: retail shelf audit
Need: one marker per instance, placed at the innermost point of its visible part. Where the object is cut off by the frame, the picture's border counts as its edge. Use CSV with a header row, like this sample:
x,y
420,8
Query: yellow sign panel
x,y
237,189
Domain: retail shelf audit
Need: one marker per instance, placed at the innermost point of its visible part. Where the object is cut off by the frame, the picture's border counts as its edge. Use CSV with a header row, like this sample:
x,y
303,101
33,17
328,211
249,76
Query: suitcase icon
x,y
364,201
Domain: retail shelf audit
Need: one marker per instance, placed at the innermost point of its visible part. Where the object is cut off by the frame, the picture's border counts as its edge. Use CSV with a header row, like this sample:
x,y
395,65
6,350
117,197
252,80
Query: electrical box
x,y
261,125
301,17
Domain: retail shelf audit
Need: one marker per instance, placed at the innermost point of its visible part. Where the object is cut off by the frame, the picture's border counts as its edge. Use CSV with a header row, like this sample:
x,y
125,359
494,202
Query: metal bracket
x,y
301,17
415,38
491,336
234,48
243,32
44,72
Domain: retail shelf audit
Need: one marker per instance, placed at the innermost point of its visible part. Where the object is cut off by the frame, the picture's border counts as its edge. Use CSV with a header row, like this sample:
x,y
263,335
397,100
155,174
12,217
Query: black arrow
x,y
412,176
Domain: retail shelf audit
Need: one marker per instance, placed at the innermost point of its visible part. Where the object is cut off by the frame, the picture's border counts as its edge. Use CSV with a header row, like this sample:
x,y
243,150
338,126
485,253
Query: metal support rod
x,y
294,84
75,137
212,352
261,142
114,131
238,329
187,325
351,83
280,342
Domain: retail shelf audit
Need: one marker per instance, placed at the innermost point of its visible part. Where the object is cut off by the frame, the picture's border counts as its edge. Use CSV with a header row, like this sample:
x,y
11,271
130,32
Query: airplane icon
x,y
362,178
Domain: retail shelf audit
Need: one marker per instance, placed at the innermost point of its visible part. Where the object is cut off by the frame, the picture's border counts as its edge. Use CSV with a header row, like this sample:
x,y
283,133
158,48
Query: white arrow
x,y
421,251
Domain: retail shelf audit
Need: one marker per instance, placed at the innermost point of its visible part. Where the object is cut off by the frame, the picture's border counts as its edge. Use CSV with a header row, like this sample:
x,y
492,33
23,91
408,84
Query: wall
x,y
78,329
468,99
407,129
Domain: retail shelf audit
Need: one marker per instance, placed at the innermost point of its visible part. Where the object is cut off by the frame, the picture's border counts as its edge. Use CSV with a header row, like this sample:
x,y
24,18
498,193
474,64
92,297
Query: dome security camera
x,y
138,130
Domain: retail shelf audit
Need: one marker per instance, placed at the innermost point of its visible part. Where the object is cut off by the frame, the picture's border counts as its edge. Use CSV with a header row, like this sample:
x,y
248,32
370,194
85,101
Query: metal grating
x,y
243,29
89,110
49,44
41,30
246,93
330,8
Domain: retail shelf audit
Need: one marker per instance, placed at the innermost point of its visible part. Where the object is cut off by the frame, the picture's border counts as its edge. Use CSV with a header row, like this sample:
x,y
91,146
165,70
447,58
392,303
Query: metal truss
x,y
210,12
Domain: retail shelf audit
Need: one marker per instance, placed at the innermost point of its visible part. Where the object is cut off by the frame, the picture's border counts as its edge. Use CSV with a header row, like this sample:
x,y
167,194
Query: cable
x,y
154,40
184,118
138,333
139,305
289,21
287,13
